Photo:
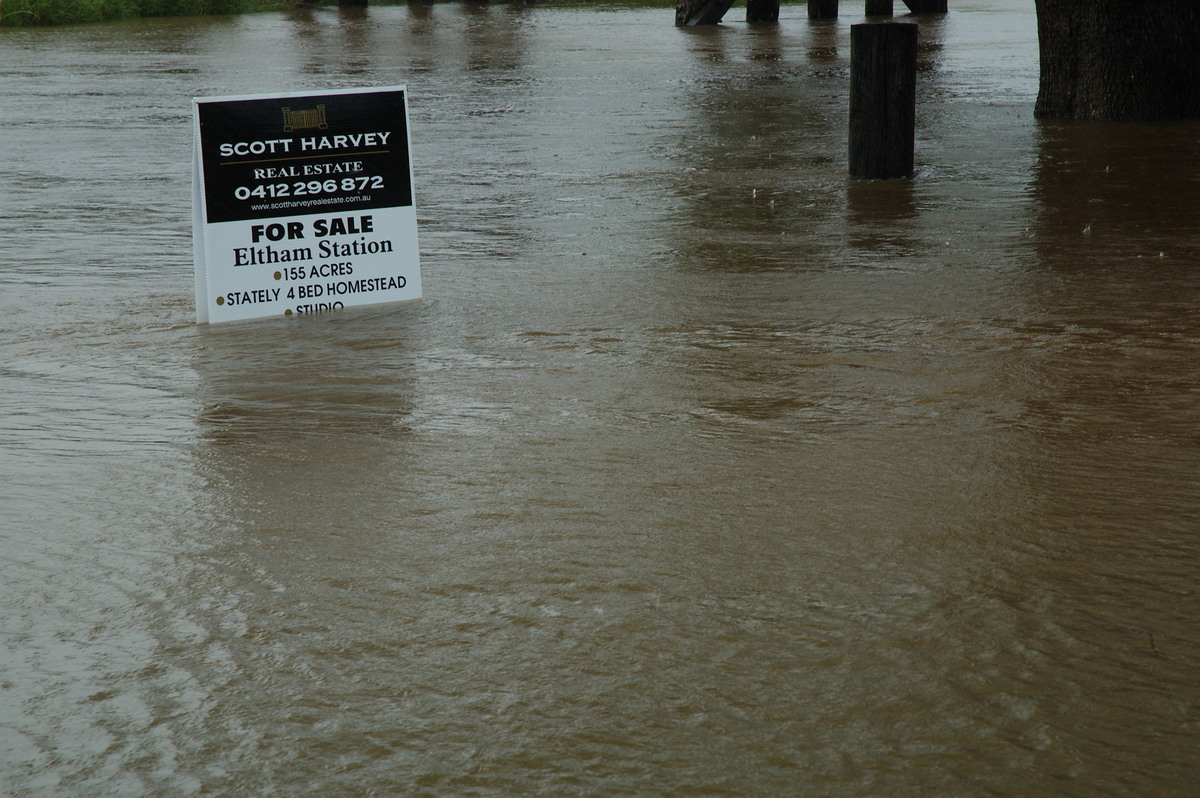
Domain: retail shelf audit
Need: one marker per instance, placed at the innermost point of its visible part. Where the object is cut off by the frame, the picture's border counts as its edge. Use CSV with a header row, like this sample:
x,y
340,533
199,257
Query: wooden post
x,y
700,12
883,99
822,9
762,10
880,8
926,6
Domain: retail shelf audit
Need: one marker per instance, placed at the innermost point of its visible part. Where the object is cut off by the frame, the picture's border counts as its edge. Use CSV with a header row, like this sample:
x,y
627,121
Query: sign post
x,y
303,203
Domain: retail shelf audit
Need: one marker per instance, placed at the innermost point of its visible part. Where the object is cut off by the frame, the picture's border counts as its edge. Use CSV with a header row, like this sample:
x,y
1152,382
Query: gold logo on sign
x,y
304,118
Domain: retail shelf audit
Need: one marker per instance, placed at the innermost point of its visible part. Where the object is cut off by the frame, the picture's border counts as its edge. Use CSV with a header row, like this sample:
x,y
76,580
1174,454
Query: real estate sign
x,y
303,203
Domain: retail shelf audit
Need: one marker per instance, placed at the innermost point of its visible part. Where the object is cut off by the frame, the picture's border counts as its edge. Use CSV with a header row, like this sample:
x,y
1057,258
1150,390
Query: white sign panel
x,y
303,203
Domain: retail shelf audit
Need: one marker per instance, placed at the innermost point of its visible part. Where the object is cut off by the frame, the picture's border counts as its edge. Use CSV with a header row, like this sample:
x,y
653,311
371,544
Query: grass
x,y
15,13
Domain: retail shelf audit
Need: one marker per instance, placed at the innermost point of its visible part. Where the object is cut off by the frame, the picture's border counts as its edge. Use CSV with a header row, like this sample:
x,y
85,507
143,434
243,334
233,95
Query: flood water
x,y
700,469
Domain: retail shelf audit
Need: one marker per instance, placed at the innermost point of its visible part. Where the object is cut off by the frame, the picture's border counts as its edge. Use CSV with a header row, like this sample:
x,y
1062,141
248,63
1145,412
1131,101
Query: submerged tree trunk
x,y
1119,59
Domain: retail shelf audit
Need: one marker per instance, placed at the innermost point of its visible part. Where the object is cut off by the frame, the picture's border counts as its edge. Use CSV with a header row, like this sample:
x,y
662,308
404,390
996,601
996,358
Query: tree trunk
x,y
1119,59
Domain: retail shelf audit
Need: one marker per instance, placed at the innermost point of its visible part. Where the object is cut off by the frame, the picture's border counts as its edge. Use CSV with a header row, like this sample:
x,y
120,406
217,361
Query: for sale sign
x,y
303,203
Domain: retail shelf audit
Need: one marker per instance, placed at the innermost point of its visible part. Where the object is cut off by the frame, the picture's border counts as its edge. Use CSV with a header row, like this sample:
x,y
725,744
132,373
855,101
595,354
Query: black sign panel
x,y
265,158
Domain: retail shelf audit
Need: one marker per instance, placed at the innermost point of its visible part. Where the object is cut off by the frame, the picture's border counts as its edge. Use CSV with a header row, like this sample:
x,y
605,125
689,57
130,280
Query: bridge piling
x,y
822,9
927,6
880,8
689,13
883,99
762,10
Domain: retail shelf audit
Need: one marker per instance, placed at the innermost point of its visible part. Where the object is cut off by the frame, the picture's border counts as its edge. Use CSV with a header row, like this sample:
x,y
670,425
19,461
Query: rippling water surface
x,y
700,470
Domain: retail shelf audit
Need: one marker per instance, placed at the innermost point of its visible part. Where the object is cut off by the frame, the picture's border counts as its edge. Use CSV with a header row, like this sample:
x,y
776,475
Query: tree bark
x,y
1119,59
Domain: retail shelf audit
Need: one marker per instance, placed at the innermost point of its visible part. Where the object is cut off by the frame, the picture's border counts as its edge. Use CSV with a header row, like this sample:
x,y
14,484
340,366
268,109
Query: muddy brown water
x,y
699,470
